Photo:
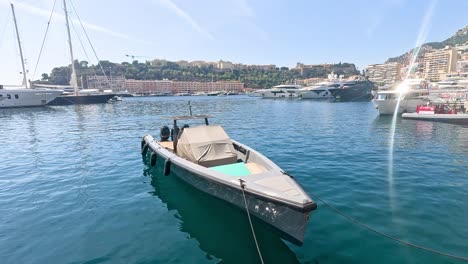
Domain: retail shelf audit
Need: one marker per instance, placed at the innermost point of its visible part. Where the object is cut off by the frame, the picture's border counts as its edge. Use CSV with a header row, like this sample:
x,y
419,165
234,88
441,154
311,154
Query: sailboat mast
x,y
73,81
25,80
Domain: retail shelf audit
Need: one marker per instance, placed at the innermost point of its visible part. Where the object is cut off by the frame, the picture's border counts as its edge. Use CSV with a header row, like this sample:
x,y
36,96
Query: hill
x,y
459,38
252,77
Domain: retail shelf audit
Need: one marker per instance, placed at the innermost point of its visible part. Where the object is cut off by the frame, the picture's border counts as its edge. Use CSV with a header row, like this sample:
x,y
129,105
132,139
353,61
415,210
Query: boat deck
x,y
169,145
235,169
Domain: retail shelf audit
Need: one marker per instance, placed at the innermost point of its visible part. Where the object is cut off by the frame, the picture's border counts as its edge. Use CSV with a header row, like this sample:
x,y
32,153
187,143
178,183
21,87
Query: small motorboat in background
x,y
439,113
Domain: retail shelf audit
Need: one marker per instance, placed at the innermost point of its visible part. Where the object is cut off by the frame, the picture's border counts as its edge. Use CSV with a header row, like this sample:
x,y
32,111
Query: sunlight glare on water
x,y
402,88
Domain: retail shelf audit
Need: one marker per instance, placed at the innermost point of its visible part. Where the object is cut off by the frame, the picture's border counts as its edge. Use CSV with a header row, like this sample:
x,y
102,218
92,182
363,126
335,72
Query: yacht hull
x,y
82,99
316,94
355,94
26,97
387,106
272,94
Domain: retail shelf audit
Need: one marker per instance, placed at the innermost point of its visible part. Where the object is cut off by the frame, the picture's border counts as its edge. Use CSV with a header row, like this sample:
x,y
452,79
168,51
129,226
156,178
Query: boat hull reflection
x,y
221,229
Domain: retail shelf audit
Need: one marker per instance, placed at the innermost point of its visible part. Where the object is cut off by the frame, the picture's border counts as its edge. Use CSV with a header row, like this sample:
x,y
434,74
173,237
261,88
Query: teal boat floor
x,y
236,169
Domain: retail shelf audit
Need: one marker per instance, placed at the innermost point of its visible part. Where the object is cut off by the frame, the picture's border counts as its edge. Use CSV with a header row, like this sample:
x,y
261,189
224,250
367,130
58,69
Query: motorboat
x,y
386,101
207,158
283,91
439,113
354,91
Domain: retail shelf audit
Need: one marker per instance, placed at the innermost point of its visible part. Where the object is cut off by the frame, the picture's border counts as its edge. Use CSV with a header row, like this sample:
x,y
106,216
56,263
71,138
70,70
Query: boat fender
x,y
144,149
167,167
153,158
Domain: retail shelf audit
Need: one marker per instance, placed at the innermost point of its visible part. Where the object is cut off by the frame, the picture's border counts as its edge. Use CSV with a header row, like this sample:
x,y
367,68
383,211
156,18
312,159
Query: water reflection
x,y
221,230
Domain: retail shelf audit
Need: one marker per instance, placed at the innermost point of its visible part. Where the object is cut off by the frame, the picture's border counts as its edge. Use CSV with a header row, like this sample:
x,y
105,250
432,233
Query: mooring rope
x,y
242,184
386,235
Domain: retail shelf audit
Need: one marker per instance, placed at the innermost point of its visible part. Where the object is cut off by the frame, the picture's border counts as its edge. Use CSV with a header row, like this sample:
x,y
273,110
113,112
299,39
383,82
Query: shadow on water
x,y
221,229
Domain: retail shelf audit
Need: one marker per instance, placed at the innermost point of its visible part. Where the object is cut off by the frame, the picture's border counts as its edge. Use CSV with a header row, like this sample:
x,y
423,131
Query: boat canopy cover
x,y
206,145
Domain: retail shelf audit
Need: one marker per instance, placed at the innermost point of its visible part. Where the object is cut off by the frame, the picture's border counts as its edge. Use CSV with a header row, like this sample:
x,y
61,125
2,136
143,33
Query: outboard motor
x,y
165,133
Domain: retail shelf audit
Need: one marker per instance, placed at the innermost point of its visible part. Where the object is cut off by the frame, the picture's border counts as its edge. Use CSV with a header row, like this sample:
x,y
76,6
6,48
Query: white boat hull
x,y
316,94
27,97
387,106
446,118
283,93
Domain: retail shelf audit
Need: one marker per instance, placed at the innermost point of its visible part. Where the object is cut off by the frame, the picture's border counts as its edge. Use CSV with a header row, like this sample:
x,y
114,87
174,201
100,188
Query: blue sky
x,y
281,32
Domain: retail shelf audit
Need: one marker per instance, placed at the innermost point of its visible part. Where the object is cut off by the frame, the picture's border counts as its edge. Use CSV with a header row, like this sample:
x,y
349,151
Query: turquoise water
x,y
75,189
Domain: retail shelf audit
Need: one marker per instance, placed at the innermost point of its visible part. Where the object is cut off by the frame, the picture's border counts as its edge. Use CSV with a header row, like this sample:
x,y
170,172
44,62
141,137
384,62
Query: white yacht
x,y
22,96
319,91
257,93
283,91
452,89
453,83
386,101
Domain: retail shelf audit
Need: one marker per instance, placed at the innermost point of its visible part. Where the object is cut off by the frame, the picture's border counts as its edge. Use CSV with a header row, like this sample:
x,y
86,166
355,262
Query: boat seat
x,y
235,169
255,168
167,145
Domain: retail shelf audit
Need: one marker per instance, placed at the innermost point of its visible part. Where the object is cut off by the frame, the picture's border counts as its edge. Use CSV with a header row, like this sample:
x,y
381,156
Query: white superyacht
x,y
319,91
21,96
282,91
411,93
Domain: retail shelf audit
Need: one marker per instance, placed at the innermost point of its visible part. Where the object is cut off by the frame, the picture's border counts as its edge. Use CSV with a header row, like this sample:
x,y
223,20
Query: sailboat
x,y
78,97
22,96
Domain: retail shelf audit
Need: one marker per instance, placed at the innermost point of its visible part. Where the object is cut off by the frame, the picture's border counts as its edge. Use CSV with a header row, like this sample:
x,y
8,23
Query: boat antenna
x,y
190,108
25,80
73,81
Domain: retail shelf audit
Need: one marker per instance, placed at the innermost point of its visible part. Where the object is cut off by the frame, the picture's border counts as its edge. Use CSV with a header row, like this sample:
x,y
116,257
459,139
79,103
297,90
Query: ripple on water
x,y
74,188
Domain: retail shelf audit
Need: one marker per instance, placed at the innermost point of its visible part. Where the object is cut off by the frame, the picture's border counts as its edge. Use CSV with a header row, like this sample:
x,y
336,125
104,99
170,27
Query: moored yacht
x,y
283,91
386,101
453,83
214,93
354,91
319,92
22,96
452,89
257,93
79,96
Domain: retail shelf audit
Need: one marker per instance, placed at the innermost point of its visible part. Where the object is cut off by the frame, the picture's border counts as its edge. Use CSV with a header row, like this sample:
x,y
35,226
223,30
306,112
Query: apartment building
x,y
384,74
439,63
116,83
149,86
166,86
462,63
